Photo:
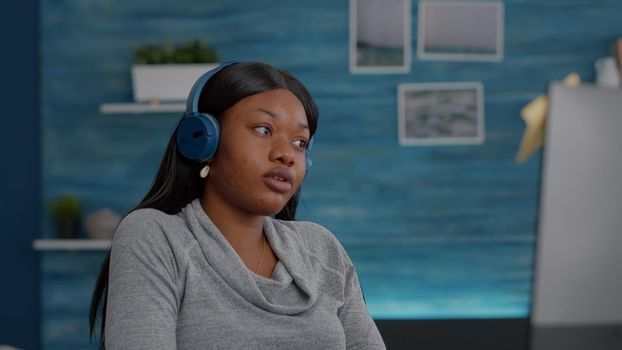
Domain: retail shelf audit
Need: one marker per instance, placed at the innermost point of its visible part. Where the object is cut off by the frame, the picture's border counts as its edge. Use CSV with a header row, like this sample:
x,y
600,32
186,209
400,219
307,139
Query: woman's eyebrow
x,y
274,115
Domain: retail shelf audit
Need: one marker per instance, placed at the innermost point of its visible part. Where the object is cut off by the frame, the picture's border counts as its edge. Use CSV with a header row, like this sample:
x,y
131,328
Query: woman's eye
x,y
300,143
264,130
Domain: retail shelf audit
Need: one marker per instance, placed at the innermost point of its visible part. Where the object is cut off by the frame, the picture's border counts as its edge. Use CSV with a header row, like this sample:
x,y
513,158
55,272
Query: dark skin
x,y
259,166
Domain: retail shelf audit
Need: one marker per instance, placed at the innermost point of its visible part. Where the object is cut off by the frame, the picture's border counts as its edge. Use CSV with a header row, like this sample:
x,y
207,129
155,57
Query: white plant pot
x,y
102,224
165,82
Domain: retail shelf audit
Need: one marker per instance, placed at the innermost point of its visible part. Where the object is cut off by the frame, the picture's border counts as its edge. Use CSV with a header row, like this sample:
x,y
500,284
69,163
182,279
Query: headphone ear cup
x,y
197,136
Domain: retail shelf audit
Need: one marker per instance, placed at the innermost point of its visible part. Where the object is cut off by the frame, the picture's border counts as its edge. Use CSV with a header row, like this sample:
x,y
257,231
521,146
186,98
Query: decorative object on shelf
x,y
102,223
609,69
166,73
66,213
534,114
607,74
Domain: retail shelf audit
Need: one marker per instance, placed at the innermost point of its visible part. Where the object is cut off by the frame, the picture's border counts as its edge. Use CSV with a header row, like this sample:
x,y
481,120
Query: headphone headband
x,y
192,104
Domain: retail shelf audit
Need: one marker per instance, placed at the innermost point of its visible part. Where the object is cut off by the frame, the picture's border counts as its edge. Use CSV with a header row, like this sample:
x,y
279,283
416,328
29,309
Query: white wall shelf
x,y
71,244
142,107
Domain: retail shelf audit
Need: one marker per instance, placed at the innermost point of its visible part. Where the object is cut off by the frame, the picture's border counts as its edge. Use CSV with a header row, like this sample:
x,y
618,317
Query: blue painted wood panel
x,y
435,231
66,287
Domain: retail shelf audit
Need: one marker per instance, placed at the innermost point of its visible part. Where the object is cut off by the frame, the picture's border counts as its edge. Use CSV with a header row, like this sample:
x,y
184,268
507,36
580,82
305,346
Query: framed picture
x,y
460,30
441,113
380,40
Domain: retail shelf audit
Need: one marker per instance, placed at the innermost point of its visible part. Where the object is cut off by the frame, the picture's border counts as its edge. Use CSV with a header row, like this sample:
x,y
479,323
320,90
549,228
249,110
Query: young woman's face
x,y
260,162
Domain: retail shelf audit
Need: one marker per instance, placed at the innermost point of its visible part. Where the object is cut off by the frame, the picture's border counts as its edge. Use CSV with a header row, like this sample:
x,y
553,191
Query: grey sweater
x,y
176,283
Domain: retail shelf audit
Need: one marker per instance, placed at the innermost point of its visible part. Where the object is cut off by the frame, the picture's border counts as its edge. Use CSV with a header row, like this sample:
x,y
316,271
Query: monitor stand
x,y
592,337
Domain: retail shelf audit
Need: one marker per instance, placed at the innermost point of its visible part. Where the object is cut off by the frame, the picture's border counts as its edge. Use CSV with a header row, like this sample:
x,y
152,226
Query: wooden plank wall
x,y
435,231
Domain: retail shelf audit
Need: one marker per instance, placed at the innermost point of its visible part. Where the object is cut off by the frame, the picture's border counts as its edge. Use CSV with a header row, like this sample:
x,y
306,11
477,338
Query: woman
x,y
212,257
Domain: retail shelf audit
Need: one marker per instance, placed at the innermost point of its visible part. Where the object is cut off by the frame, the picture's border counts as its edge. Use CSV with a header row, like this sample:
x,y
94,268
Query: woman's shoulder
x,y
151,240
148,223
144,218
144,214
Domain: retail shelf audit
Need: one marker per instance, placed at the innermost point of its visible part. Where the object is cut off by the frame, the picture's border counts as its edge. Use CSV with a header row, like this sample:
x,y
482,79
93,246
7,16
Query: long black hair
x,y
177,182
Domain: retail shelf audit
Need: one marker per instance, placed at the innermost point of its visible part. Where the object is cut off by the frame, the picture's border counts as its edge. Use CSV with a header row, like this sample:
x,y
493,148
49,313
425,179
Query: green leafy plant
x,y
65,208
196,51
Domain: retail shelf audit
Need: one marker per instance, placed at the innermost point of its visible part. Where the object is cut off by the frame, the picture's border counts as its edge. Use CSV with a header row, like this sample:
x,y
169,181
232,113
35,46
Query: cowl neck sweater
x,y
175,283
292,289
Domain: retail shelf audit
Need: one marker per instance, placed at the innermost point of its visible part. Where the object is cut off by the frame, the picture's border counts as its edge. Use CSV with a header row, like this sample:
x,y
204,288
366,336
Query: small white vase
x,y
102,223
607,73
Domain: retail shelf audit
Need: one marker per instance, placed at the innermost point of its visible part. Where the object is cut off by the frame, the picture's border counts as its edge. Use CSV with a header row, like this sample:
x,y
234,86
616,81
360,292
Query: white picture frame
x,y
441,113
380,36
460,30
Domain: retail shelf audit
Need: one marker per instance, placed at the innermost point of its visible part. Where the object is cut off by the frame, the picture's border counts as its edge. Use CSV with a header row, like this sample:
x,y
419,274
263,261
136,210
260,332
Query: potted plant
x,y
166,72
66,213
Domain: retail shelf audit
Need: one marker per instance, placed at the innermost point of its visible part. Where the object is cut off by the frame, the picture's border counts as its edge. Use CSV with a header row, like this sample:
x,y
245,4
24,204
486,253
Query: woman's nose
x,y
282,152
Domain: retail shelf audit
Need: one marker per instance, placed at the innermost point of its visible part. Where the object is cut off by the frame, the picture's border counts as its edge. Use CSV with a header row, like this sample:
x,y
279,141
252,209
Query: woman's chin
x,y
271,209
272,204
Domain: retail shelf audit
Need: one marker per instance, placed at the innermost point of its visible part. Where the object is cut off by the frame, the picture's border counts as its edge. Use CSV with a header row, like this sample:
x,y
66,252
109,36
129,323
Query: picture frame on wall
x,y
441,113
379,38
460,30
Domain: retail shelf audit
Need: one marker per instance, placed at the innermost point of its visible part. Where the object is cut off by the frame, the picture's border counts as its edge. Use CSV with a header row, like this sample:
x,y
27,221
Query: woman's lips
x,y
279,180
277,184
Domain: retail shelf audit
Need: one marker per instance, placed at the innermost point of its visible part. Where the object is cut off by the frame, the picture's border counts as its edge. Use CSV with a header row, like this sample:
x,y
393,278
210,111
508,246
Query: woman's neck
x,y
243,231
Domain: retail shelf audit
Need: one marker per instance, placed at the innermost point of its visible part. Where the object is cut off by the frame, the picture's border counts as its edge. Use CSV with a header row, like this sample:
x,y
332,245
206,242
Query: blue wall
x,y
19,178
435,232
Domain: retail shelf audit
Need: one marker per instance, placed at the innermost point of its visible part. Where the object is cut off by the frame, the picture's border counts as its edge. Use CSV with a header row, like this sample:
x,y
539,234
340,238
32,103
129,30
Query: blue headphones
x,y
198,133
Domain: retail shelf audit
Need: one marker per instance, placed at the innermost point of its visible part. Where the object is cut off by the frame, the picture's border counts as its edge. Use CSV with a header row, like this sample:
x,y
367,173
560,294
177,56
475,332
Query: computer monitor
x,y
577,297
